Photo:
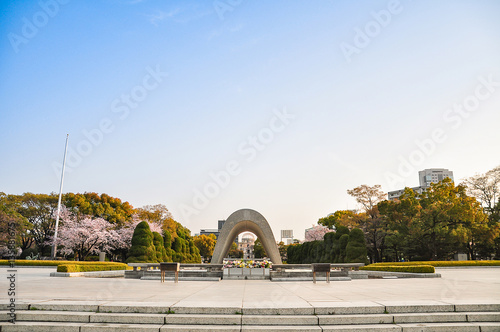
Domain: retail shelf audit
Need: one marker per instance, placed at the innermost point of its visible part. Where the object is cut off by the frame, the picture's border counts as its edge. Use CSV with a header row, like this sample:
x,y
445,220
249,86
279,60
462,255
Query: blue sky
x,y
209,107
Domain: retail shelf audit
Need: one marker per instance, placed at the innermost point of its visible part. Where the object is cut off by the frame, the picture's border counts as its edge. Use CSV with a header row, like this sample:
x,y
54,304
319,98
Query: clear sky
x,y
279,106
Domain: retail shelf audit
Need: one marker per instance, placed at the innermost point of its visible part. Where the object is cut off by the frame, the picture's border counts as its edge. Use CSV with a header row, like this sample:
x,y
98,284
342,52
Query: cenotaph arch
x,y
245,220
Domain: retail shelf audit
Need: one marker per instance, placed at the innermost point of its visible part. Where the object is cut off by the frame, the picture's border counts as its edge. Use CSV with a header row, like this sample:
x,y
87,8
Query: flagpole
x,y
54,245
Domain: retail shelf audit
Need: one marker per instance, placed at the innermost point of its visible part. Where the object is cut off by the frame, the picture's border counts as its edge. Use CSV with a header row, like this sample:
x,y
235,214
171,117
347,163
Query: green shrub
x,y
161,252
50,263
77,267
440,263
143,249
356,247
343,240
409,269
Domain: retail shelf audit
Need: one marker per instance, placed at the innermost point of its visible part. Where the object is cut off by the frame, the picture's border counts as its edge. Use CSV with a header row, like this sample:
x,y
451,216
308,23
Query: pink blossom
x,y
316,233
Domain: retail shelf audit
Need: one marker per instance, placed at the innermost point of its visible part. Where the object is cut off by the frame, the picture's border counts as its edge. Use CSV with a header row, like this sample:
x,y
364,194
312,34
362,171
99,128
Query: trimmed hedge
x,y
440,263
355,251
143,249
23,262
409,269
90,267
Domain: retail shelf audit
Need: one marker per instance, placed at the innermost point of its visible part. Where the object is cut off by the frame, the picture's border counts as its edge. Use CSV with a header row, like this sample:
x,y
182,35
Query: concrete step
x,y
393,316
318,309
106,327
249,317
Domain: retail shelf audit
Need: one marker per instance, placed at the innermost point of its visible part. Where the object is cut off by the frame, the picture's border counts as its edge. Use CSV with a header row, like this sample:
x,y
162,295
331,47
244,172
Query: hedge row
x,y
90,267
409,269
440,263
23,262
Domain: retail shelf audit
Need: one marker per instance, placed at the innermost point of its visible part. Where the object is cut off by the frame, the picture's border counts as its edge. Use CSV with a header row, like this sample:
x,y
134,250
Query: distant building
x,y
246,245
433,175
425,177
287,236
392,195
216,232
207,231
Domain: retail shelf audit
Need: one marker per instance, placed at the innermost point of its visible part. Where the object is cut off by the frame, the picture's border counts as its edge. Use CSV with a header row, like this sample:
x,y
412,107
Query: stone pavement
x,y
456,286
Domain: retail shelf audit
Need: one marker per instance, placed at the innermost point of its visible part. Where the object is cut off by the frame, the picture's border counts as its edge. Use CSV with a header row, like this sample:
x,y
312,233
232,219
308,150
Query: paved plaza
x,y
457,285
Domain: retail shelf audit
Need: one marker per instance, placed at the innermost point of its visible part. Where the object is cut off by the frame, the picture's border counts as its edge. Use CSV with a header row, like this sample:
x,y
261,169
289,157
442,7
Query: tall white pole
x,y
54,245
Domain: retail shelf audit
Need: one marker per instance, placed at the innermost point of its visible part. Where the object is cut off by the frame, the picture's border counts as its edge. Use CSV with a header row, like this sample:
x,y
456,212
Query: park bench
x,y
175,267
321,267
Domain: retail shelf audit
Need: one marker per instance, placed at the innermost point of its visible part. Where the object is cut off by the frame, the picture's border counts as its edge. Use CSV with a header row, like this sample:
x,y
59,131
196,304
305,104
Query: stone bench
x,y
156,266
139,270
342,266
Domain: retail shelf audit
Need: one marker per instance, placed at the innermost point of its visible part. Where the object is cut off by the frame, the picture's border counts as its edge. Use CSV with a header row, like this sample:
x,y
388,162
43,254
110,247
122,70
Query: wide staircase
x,y
403,318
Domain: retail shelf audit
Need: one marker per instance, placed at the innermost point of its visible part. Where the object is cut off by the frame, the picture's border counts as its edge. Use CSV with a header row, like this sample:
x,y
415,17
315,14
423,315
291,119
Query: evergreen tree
x,y
143,249
161,252
356,247
343,240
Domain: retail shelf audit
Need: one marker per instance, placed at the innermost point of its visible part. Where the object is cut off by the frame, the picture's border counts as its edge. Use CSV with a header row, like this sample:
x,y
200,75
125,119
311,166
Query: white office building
x,y
425,177
433,175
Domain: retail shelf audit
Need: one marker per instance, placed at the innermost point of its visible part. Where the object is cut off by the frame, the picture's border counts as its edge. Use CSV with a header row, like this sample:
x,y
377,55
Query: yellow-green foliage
x,y
77,267
26,262
408,268
441,263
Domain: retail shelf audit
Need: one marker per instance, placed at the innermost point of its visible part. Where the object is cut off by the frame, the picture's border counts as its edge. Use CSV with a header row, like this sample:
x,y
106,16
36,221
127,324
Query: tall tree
x,y
258,249
83,236
450,218
332,219
11,219
372,225
205,244
39,211
154,213
368,196
401,219
103,206
486,189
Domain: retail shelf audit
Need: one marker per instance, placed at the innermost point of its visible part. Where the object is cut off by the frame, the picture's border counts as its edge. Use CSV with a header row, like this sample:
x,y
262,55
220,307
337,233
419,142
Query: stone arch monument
x,y
245,220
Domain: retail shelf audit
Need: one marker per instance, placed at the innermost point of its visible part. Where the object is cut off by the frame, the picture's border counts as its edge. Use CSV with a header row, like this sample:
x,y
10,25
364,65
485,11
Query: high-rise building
x,y
287,235
433,175
425,177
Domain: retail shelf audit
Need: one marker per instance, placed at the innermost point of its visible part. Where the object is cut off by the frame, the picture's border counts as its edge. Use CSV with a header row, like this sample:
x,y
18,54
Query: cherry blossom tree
x,y
316,233
83,236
